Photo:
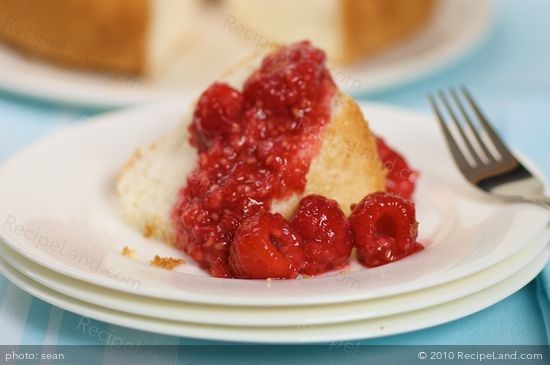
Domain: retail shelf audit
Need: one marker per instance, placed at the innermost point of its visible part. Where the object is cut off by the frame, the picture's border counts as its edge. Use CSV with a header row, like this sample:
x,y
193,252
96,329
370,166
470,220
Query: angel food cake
x,y
144,37
136,37
274,176
348,30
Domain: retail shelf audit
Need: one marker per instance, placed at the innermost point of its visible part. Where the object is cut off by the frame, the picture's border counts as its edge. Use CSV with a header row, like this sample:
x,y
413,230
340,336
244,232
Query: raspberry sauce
x,y
255,146
401,178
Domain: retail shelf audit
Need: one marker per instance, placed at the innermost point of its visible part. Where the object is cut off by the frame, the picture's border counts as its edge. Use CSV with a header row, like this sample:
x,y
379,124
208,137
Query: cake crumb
x,y
129,252
148,230
167,263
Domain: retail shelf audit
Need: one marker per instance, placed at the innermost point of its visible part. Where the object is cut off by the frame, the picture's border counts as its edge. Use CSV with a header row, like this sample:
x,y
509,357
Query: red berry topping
x,y
401,179
384,229
253,148
216,115
325,232
265,246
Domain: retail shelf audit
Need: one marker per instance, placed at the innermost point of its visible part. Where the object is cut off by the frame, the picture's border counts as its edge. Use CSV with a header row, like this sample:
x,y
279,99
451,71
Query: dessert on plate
x,y
275,174
145,37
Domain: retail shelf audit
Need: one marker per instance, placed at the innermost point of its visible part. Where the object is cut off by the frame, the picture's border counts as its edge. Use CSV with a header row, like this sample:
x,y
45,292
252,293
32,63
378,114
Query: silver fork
x,y
480,154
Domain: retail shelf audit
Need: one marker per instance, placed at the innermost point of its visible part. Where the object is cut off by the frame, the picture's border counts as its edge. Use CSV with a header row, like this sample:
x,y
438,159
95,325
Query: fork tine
x,y
456,152
458,125
493,136
473,129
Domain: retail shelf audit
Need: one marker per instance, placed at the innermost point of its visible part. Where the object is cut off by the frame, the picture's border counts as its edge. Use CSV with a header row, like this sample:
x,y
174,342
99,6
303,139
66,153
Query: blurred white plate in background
x,y
457,27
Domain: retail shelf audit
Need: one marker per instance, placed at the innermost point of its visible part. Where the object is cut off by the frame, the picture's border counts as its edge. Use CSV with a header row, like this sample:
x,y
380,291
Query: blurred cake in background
x,y
126,36
189,42
348,30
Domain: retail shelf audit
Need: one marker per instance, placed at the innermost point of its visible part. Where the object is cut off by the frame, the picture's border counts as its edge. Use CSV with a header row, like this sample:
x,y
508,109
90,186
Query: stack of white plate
x,y
63,235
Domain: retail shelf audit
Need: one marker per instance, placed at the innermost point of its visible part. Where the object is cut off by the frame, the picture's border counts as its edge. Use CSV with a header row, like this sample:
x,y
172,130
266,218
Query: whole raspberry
x,y
384,229
265,246
325,232
217,115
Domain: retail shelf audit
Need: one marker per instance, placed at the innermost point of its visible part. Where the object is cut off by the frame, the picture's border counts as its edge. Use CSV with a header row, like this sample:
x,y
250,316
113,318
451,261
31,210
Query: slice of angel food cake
x,y
276,175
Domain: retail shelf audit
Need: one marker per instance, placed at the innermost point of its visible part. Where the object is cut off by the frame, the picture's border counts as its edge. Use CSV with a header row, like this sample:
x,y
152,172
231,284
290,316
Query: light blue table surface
x,y
510,75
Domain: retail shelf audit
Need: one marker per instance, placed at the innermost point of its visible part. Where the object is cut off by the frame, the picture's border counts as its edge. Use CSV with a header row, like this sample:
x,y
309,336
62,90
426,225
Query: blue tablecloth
x,y
510,74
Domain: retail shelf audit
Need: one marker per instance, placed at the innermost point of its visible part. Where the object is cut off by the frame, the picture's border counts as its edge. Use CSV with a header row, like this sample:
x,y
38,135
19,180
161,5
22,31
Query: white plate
x,y
457,27
58,208
277,316
301,332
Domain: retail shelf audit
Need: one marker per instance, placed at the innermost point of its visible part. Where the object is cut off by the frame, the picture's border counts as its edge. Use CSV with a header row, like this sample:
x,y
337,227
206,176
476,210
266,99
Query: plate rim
x,y
460,288
460,308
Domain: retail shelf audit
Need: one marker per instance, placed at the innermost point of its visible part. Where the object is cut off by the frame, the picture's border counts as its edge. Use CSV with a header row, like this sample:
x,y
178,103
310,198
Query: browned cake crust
x,y
348,166
87,34
371,26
